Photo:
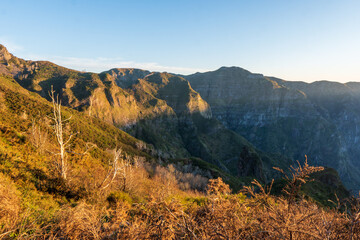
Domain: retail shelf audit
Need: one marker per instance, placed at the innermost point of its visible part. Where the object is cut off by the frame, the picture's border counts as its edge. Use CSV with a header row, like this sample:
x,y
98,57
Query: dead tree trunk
x,y
63,144
118,166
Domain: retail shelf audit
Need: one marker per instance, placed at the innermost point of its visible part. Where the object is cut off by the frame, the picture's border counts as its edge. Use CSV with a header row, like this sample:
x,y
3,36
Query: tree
x,y
63,143
118,165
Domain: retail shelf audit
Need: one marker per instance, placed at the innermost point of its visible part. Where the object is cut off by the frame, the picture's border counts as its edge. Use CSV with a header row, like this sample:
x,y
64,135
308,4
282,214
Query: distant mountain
x,y
320,119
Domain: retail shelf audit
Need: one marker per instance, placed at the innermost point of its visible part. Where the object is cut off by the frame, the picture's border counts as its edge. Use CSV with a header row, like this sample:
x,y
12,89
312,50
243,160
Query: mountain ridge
x,y
170,112
159,108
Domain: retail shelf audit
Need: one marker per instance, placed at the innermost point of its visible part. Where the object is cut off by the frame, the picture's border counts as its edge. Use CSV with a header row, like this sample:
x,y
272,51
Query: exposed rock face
x,y
5,56
125,77
321,119
339,104
10,65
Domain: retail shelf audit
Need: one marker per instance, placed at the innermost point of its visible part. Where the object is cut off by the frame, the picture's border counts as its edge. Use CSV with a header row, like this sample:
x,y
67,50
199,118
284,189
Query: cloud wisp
x,y
102,64
10,45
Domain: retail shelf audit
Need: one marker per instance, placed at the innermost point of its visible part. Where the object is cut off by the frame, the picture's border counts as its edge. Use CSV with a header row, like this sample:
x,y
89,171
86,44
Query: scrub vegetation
x,y
118,187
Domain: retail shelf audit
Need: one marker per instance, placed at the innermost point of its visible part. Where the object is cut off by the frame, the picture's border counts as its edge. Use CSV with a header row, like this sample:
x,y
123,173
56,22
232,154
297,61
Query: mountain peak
x,y
2,47
233,69
4,53
125,77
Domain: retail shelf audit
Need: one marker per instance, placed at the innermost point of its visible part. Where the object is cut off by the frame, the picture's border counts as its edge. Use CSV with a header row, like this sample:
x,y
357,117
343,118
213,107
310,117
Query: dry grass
x,y
163,211
9,205
80,222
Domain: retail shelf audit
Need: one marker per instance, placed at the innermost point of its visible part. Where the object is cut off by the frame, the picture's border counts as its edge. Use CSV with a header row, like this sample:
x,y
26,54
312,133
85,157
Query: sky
x,y
303,40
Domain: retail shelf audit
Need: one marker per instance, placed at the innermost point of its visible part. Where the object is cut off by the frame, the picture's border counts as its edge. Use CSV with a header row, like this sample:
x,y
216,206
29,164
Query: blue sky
x,y
294,40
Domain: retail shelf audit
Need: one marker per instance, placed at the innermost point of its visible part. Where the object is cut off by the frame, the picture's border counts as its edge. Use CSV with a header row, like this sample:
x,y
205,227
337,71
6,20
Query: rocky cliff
x,y
320,119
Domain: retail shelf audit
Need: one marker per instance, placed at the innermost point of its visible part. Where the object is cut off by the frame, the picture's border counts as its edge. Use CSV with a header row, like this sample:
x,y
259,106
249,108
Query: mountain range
x,y
241,122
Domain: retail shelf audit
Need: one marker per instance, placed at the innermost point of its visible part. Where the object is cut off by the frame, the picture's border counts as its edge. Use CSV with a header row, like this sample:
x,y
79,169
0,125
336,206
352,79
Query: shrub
x,y
115,197
80,222
217,187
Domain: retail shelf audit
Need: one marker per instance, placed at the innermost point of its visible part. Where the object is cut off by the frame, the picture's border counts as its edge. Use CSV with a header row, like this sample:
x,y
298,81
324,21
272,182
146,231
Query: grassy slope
x,y
28,166
31,169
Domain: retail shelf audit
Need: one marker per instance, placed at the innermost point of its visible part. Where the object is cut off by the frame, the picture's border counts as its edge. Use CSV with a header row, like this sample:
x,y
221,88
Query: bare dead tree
x,y
63,143
126,170
37,136
118,167
114,168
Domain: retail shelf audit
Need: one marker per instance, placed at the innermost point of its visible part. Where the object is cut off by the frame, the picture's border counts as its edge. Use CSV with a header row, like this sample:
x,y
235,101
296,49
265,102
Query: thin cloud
x,y
10,45
102,64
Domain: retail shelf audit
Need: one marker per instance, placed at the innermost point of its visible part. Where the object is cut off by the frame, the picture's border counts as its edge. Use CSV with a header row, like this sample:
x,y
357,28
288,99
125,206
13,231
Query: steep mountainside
x,y
320,119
